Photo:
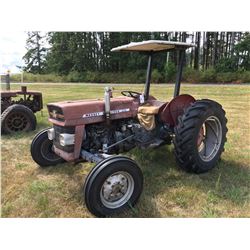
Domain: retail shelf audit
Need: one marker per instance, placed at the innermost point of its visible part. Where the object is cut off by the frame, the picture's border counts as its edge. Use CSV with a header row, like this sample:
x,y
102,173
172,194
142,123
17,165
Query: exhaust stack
x,y
107,95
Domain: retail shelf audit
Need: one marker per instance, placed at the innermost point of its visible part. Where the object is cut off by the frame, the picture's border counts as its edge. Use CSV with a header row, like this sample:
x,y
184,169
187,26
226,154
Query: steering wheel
x,y
130,93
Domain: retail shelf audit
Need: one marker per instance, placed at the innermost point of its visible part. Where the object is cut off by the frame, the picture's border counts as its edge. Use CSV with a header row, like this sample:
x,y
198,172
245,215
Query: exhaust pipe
x,y
107,95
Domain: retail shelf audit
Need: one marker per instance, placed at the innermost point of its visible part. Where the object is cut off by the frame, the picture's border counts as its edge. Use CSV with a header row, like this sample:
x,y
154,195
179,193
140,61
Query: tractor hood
x,y
72,113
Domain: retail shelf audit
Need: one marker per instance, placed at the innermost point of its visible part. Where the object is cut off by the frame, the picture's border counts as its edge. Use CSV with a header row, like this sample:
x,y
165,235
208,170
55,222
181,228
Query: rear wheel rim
x,y
17,122
117,189
209,138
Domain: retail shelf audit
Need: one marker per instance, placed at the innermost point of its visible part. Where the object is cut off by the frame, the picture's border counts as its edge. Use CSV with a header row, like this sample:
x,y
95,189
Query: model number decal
x,y
96,114
117,111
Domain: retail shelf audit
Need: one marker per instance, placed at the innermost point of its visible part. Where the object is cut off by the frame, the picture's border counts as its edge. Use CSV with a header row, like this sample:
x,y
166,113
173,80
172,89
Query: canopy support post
x,y
148,76
179,73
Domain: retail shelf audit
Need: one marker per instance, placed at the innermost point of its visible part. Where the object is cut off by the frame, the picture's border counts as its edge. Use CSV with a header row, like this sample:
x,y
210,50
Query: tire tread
x,y
185,154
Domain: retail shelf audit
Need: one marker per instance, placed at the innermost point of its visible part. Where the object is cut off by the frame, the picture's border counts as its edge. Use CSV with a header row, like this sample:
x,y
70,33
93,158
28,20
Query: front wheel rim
x,y
47,151
209,138
117,189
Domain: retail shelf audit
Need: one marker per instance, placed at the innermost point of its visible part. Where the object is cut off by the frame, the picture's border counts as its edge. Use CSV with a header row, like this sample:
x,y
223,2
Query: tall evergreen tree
x,y
35,55
61,53
243,52
197,50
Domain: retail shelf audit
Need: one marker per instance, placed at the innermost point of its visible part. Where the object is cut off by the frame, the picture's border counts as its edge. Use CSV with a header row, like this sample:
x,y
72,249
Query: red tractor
x,y
99,130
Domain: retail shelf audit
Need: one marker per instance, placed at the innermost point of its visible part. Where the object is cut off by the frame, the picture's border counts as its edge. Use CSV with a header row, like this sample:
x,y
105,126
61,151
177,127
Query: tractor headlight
x,y
51,134
66,139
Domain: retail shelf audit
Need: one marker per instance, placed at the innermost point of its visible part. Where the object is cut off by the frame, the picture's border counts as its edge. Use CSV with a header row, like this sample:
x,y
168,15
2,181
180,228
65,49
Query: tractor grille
x,y
61,130
55,113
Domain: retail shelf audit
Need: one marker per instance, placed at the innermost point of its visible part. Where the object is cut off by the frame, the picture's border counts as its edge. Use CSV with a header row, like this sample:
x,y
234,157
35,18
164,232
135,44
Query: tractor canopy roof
x,y
153,46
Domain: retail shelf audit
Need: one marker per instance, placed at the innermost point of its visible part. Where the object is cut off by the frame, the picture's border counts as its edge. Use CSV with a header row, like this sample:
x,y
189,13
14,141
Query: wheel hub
x,y
117,189
201,137
17,122
47,151
209,138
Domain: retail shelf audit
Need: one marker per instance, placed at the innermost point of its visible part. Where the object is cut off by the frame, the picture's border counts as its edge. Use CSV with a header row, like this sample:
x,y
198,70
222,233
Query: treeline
x,y
86,56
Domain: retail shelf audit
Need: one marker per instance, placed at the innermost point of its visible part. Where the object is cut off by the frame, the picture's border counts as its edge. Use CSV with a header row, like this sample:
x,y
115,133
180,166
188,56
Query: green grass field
x,y
29,191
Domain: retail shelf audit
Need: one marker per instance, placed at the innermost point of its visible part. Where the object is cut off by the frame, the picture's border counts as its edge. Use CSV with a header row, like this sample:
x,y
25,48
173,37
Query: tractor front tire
x,y
200,136
17,118
41,150
114,185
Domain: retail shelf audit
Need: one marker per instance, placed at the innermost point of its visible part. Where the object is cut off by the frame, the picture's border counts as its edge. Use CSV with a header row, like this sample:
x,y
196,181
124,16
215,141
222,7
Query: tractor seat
x,y
146,115
148,109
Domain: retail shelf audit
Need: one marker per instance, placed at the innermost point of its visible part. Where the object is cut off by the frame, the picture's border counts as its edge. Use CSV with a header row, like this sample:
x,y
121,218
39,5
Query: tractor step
x,y
156,143
153,144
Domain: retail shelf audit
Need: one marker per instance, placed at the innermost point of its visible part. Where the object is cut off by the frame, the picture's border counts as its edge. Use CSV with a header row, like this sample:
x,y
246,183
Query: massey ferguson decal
x,y
94,114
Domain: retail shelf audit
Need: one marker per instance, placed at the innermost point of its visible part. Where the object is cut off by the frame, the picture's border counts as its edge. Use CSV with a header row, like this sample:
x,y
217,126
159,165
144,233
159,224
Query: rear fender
x,y
175,108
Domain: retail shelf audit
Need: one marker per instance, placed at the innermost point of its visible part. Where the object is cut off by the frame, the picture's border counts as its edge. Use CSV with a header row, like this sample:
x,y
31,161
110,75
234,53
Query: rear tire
x,y
41,150
200,136
17,118
114,185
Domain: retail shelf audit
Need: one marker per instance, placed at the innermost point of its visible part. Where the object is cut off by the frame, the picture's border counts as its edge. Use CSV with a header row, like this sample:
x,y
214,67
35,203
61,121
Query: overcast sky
x,y
12,49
